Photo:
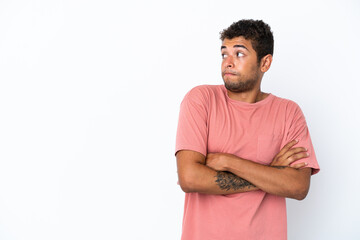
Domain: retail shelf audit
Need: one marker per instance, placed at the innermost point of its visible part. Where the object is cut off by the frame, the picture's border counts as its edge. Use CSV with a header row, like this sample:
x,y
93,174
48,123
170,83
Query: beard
x,y
239,86
242,85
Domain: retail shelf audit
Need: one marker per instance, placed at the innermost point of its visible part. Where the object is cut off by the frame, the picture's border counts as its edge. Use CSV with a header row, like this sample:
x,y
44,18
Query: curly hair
x,y
258,32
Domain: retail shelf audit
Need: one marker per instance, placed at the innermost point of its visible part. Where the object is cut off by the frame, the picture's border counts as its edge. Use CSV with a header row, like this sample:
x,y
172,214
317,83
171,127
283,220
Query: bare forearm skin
x,y
281,181
202,179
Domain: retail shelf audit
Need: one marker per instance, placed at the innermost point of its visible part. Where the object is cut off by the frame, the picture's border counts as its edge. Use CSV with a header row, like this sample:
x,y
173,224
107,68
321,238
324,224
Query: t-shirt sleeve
x,y
192,125
298,129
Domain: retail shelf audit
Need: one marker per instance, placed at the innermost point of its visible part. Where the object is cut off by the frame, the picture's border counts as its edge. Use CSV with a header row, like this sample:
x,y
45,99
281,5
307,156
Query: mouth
x,y
229,74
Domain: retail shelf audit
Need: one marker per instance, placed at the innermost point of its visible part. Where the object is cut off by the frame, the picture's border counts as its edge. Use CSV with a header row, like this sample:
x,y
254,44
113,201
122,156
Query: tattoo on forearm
x,y
228,180
279,167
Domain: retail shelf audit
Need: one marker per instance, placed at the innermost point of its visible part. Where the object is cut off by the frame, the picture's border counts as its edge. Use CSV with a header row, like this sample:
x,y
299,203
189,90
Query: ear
x,y
265,63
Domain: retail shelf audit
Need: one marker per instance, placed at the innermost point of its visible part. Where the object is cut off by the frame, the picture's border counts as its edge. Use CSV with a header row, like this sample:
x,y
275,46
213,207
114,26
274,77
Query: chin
x,y
240,86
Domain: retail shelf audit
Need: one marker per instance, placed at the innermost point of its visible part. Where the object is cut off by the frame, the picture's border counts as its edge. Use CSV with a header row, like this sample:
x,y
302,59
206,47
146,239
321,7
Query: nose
x,y
229,63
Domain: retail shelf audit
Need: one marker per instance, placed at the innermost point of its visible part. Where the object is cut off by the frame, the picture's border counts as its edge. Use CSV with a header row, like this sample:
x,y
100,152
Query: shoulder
x,y
288,104
289,107
203,93
204,90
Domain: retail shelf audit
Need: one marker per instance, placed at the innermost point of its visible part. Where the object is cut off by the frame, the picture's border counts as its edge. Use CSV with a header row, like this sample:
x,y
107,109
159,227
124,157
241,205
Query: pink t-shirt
x,y
211,122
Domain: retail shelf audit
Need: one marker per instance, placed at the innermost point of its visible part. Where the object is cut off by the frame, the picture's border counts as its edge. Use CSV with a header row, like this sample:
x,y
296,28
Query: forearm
x,y
282,181
202,179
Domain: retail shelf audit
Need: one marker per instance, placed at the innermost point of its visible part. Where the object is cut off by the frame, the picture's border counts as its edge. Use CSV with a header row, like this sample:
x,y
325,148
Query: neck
x,y
252,96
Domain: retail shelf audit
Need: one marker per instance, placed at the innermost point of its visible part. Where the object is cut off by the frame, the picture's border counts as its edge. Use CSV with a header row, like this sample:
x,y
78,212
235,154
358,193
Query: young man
x,y
240,152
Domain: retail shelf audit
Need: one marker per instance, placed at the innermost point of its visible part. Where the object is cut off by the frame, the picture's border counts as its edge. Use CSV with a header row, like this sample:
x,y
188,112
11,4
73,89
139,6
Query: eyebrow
x,y
236,46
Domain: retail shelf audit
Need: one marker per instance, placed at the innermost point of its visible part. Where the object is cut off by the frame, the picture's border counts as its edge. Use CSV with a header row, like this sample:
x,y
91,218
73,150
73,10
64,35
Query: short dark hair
x,y
258,32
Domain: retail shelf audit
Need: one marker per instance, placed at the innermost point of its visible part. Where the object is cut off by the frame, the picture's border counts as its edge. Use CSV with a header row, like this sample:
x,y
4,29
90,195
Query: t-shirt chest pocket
x,y
267,148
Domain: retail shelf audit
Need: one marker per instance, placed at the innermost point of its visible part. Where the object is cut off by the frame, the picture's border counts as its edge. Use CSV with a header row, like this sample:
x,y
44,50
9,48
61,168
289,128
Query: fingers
x,y
299,165
294,152
287,147
289,154
296,157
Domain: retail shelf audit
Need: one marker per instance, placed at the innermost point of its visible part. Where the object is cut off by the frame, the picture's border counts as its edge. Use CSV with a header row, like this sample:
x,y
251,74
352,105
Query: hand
x,y
217,161
288,155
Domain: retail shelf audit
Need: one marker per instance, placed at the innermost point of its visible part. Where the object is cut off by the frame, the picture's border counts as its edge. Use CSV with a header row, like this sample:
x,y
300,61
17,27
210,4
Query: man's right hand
x,y
288,155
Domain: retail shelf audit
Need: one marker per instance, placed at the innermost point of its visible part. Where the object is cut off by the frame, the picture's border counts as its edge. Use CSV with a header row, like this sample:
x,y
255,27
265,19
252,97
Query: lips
x,y
227,73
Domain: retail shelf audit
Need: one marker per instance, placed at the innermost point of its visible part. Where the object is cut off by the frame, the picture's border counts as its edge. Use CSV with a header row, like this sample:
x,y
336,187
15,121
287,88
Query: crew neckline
x,y
246,104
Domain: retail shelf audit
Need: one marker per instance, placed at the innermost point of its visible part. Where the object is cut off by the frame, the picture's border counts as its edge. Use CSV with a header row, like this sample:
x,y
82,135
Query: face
x,y
240,69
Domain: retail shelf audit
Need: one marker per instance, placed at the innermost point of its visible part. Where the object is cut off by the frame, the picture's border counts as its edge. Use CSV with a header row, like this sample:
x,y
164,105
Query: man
x,y
240,152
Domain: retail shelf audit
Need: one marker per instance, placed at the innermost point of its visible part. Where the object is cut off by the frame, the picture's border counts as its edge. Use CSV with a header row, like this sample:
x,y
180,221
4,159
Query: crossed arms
x,y
221,173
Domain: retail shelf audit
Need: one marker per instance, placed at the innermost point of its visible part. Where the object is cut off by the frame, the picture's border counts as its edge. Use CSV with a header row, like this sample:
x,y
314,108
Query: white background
x,y
89,101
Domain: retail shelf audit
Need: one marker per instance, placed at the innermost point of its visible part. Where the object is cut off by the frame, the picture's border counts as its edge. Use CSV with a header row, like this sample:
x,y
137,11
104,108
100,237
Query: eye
x,y
223,55
239,54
